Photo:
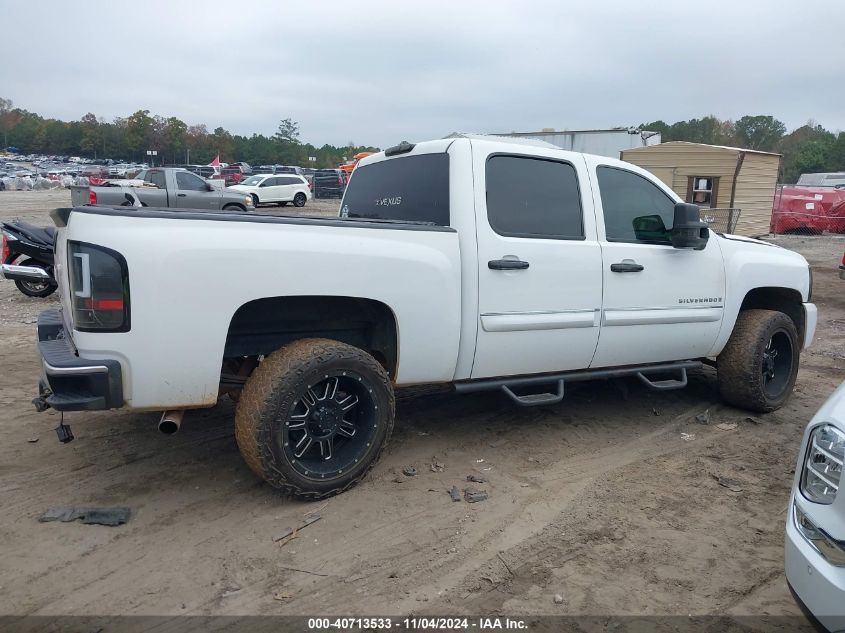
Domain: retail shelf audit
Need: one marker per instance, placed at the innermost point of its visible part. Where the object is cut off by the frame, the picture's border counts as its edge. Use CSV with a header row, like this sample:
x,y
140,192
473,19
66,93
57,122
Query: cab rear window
x,y
407,189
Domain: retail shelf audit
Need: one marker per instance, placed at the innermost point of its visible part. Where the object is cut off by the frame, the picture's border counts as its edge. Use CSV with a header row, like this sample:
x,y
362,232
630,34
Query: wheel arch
x,y
261,326
786,300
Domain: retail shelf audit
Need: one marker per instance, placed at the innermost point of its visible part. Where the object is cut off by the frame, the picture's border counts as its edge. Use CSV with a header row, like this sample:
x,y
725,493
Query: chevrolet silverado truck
x,y
162,187
488,264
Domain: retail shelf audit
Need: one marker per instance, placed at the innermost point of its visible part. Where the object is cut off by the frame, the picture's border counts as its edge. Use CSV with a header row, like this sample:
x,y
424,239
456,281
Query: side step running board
x,y
642,372
536,399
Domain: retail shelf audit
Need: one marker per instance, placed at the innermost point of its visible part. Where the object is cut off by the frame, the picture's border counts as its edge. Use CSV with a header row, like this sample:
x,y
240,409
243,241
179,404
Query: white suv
x,y
815,525
277,188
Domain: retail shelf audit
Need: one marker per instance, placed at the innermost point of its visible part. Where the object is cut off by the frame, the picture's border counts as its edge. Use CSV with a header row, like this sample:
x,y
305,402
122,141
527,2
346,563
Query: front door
x,y
539,264
192,192
660,303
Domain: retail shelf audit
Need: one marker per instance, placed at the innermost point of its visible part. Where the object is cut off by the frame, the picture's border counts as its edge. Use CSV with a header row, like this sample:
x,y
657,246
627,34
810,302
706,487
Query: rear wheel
x,y
314,416
758,367
299,200
35,288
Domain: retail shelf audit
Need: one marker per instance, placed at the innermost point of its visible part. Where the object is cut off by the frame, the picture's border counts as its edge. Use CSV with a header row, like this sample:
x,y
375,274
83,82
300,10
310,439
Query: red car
x,y
232,174
808,210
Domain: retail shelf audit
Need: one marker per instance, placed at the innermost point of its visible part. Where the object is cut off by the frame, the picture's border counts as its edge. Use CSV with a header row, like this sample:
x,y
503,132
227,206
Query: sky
x,y
375,72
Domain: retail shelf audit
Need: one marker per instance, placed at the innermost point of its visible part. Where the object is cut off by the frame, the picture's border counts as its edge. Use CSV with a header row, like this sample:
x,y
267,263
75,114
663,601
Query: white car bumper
x,y
818,585
810,318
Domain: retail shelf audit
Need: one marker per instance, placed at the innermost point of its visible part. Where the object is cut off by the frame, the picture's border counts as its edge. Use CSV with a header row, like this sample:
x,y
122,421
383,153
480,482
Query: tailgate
x,y
79,195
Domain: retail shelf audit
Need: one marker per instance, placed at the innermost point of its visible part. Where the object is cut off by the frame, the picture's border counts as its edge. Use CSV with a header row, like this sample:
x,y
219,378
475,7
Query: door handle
x,y
181,195
628,266
507,264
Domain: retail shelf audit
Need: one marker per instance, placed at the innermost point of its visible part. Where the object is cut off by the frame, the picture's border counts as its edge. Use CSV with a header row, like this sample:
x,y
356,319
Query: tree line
x,y
129,138
809,148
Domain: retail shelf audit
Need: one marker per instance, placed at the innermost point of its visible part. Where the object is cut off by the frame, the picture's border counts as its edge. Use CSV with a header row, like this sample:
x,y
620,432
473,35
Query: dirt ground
x,y
601,499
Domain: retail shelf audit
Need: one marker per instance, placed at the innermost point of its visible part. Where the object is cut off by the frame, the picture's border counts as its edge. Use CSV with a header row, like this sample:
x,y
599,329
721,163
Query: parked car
x,y
484,264
95,171
168,187
273,188
204,171
329,183
231,175
815,524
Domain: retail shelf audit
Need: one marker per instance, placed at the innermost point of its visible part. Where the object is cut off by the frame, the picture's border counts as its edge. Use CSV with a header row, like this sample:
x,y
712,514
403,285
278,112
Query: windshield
x,y
410,189
252,181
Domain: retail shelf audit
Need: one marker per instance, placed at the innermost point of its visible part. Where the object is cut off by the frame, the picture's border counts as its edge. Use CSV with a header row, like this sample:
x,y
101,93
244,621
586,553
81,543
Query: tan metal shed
x,y
717,177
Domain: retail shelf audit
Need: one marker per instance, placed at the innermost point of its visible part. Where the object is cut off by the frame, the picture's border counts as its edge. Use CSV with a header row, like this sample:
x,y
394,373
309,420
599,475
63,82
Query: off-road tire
x,y
740,368
272,391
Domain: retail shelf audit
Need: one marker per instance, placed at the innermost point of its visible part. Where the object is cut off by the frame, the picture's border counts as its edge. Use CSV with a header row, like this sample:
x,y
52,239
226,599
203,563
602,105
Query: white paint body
x,y
819,584
268,189
456,319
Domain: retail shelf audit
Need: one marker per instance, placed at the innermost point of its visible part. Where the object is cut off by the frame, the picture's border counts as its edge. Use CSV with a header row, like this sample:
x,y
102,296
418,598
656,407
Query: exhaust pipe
x,y
171,421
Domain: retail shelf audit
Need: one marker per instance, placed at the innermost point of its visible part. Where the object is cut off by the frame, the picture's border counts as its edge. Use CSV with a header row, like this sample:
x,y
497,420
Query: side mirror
x,y
688,231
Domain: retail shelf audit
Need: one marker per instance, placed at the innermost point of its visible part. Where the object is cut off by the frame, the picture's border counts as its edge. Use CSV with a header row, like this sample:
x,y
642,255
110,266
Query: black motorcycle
x,y
28,257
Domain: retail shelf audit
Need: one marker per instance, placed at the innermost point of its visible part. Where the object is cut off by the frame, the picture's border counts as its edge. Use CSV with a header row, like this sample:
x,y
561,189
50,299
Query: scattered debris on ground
x,y
477,479
291,533
436,466
474,496
703,418
455,493
726,426
111,517
410,471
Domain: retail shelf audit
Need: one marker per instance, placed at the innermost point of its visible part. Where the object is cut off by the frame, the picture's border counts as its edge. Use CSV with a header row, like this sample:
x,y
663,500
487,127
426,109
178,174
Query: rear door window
x,y
531,197
408,188
158,179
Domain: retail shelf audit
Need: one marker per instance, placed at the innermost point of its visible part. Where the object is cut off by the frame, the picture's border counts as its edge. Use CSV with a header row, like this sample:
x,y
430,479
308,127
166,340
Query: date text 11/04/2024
x,y
417,623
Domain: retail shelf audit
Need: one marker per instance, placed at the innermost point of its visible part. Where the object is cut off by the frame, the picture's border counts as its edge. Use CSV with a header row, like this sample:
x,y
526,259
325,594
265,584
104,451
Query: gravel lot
x,y
598,499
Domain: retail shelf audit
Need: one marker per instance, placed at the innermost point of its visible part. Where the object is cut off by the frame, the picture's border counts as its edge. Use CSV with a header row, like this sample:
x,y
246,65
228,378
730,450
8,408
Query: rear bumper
x,y
71,383
24,273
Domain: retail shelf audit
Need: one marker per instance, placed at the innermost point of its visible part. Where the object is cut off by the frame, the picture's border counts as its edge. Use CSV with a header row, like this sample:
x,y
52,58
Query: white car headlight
x,y
823,465
248,200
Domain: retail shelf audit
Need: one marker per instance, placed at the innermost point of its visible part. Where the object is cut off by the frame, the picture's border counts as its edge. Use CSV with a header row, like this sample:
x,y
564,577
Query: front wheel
x,y
314,416
35,288
299,200
254,200
757,368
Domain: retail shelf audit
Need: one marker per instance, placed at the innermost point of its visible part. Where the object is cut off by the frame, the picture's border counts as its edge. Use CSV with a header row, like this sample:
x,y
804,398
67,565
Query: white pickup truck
x,y
490,264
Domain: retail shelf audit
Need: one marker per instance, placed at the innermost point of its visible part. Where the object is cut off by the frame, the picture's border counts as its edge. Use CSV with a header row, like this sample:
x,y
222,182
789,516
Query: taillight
x,y
843,259
92,196
6,250
99,288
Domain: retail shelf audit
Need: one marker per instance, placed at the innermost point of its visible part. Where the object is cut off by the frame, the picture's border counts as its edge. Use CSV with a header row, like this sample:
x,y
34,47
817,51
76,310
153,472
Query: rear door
x,y
192,192
539,263
287,184
660,303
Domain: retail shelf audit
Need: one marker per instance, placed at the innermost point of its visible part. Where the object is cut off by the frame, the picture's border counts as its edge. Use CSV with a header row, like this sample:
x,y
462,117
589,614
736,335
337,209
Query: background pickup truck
x,y
490,264
164,187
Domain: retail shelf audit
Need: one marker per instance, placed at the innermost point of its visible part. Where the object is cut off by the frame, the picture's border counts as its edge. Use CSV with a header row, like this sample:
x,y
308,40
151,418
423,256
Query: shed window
x,y
702,190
